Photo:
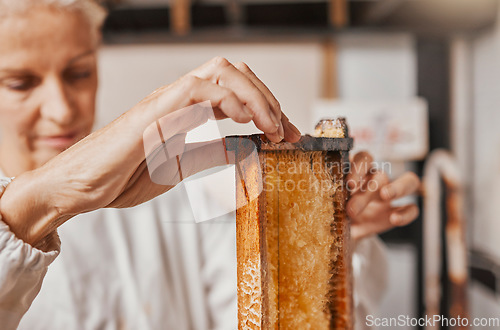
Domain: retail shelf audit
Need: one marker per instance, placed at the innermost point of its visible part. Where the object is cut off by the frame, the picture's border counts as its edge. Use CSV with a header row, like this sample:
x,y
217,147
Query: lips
x,y
59,141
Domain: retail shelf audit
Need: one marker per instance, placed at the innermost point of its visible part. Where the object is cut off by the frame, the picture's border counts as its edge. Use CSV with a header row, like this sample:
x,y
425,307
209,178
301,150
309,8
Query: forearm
x,y
26,208
85,177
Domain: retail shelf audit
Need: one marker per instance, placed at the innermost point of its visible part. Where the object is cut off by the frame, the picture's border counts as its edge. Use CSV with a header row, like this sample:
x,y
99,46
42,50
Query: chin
x,y
43,155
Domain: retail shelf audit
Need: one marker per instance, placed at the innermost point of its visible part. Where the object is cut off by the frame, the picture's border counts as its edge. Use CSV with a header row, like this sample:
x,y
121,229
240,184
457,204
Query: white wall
x,y
486,155
371,66
377,67
129,73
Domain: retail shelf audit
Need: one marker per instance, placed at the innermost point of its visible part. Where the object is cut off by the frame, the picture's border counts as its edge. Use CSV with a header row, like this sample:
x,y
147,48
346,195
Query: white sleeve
x,y
22,269
369,263
219,274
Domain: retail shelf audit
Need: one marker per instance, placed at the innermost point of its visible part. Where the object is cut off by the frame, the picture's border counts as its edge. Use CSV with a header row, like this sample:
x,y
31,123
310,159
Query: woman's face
x,y
48,82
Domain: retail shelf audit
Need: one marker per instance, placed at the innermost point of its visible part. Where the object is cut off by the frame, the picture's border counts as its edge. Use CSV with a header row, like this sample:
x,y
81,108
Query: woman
x,y
117,268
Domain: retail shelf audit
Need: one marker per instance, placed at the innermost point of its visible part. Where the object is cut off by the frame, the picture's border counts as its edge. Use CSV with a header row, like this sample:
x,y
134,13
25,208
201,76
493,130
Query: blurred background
x,y
411,76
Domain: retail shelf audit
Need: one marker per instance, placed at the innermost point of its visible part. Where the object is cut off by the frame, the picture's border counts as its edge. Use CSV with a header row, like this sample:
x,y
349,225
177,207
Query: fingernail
x,y
354,210
281,131
396,219
294,129
248,112
275,120
386,193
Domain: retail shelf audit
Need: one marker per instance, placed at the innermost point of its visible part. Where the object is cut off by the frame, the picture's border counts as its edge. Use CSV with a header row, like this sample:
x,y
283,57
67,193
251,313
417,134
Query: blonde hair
x,y
91,10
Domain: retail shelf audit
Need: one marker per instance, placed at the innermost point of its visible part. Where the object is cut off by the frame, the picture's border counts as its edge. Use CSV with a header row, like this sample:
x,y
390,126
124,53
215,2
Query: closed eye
x,y
73,76
21,84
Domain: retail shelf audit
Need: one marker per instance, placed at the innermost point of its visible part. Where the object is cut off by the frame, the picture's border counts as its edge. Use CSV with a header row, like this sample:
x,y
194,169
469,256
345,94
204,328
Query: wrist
x,y
26,208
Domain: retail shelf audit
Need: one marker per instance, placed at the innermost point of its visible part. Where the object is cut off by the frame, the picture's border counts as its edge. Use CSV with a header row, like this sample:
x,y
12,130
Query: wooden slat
x,y
339,13
329,84
180,16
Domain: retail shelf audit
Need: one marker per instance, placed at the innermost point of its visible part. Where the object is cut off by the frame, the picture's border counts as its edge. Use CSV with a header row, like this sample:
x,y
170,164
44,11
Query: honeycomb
x,y
294,269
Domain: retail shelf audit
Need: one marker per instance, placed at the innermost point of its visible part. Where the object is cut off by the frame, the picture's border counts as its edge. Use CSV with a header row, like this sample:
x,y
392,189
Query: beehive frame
x,y
278,288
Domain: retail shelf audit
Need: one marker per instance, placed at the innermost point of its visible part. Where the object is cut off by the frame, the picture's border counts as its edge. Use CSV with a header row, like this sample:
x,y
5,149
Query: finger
x,y
222,72
287,130
368,193
361,230
407,184
253,99
198,90
292,134
361,165
403,215
271,99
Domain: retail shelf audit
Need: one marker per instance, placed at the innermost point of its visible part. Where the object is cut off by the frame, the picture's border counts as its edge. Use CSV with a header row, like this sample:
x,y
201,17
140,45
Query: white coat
x,y
147,267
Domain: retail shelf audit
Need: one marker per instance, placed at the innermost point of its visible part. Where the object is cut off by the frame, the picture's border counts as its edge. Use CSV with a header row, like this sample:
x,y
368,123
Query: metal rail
x,y
441,164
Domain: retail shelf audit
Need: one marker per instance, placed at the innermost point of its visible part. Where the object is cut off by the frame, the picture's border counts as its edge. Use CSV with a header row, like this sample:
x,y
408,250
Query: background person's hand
x,y
370,207
110,163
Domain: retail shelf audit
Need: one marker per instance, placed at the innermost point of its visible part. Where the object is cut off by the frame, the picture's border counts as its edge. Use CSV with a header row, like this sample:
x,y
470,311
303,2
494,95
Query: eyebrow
x,y
78,57
28,71
15,71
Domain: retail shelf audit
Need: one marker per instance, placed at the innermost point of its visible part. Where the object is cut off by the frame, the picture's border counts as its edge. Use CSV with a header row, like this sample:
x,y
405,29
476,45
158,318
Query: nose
x,y
57,104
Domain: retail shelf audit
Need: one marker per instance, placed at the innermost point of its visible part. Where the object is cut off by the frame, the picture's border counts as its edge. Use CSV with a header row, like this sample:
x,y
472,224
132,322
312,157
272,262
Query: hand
x,y
252,96
107,168
370,207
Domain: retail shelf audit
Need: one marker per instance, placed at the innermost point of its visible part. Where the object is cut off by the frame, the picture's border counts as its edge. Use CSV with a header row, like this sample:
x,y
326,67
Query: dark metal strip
x,y
306,143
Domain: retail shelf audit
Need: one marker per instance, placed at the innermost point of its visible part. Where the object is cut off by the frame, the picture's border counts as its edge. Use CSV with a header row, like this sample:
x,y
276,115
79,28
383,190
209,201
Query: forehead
x,y
43,37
